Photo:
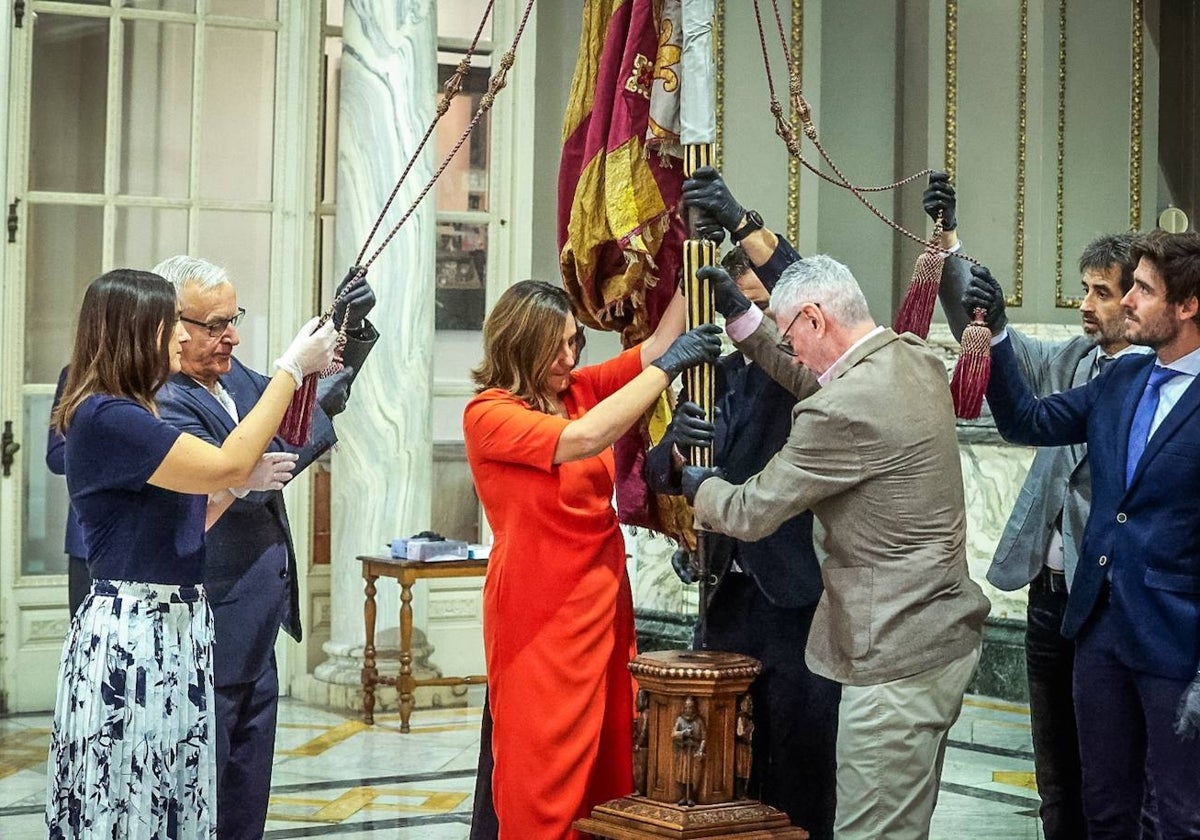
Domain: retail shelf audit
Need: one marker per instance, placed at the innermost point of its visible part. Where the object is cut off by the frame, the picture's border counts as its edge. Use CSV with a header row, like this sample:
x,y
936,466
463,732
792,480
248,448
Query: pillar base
x,y
337,682
639,818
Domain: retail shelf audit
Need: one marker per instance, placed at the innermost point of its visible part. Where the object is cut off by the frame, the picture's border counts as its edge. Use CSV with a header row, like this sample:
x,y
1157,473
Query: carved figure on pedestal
x,y
688,741
641,741
743,750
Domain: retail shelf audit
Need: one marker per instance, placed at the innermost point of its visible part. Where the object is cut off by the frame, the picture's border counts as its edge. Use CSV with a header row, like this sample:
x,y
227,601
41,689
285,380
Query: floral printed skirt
x,y
133,752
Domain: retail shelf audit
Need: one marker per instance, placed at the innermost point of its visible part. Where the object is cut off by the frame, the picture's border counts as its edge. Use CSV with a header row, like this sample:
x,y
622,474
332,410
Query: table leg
x,y
406,681
370,674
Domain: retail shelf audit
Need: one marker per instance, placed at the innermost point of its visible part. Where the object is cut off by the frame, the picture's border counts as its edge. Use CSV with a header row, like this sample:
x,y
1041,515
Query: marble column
x,y
382,465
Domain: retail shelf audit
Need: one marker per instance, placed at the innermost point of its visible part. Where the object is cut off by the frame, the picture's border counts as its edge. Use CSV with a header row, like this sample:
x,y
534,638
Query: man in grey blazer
x,y
1040,543
873,454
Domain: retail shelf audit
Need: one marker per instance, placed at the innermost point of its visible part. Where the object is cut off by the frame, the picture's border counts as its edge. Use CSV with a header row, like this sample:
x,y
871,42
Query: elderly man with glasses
x,y
250,563
874,455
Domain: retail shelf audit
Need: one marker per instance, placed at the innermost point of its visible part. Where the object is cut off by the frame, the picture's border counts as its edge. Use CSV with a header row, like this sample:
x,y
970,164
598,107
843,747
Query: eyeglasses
x,y
217,328
785,343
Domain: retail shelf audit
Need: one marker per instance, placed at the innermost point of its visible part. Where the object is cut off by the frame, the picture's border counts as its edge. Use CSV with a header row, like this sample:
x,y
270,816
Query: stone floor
x,y
336,777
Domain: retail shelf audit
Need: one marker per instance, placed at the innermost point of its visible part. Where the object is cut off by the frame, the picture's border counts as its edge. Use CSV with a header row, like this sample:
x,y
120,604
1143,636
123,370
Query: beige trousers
x,y
890,744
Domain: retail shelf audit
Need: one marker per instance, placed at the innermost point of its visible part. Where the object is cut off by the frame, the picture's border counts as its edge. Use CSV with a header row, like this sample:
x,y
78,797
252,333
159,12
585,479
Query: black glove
x,y
939,198
1187,720
705,226
694,347
689,428
693,477
707,191
685,566
334,391
984,292
727,296
356,304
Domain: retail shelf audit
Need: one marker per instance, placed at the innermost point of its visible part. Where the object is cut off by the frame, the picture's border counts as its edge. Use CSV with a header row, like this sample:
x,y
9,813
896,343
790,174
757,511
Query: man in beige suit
x,y
873,453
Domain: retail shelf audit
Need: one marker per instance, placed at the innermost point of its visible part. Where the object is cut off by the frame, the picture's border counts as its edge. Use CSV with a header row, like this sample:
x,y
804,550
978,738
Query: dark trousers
x,y
795,711
246,715
79,582
1128,744
484,825
1049,663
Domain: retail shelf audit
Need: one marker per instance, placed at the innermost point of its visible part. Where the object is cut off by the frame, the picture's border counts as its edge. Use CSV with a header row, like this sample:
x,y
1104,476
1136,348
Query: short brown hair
x,y
1176,256
521,337
122,343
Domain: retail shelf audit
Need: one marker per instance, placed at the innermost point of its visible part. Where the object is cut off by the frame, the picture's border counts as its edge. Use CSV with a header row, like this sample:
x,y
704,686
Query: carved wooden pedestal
x,y
691,754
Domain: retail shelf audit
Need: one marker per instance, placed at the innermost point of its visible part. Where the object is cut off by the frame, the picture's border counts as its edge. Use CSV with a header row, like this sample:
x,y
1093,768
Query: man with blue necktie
x,y
1134,609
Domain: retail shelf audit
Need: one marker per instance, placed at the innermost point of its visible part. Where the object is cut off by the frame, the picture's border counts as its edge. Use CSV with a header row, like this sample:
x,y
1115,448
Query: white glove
x,y
309,352
273,471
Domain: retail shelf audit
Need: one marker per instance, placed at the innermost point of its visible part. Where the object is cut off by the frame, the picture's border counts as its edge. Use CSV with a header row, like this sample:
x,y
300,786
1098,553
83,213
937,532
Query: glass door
x,y
138,129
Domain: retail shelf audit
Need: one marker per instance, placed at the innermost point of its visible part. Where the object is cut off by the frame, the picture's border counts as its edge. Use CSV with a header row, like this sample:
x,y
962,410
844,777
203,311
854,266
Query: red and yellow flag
x,y
620,235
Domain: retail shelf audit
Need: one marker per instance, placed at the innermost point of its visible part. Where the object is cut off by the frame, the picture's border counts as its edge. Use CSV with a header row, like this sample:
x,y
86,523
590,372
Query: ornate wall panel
x,y
1099,129
986,132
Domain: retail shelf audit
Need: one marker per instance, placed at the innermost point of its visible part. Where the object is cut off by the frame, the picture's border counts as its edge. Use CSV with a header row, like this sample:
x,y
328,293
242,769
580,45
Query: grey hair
x,y
181,270
823,280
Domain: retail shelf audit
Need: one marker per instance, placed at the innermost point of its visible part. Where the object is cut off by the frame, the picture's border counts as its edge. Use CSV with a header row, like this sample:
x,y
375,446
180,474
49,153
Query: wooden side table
x,y
407,572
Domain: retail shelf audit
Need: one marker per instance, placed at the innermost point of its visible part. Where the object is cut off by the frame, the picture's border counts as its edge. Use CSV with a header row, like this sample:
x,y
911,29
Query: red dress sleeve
x,y
499,427
607,378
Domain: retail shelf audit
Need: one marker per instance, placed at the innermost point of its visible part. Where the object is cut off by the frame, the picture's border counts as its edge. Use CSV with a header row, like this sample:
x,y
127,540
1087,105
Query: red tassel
x,y
916,310
973,369
297,420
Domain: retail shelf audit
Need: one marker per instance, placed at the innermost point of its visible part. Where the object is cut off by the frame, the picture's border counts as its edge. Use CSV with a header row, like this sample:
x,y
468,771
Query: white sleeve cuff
x,y
744,325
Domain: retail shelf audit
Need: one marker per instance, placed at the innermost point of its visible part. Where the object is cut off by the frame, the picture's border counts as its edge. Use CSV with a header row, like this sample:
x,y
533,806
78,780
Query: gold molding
x,y
1018,291
1061,299
719,61
1135,120
951,144
793,194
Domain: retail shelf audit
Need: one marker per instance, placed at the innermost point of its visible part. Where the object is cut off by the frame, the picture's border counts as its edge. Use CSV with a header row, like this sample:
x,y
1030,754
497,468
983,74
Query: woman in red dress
x,y
557,607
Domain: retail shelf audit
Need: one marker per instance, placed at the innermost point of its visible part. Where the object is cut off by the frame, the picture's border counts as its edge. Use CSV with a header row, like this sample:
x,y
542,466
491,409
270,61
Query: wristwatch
x,y
753,222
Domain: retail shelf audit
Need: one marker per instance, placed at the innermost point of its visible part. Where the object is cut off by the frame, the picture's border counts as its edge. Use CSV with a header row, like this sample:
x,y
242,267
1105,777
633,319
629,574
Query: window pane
x,y
146,236
461,271
68,103
63,257
156,119
460,19
333,84
237,114
333,12
162,5
257,9
44,512
464,184
241,242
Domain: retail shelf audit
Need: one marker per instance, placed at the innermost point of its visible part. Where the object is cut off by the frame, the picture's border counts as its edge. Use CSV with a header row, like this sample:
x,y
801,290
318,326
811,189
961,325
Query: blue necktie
x,y
1143,418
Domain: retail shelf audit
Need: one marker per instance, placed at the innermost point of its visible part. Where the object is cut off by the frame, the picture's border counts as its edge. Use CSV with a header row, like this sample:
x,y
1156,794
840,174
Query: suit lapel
x,y
200,395
241,388
1176,417
1083,372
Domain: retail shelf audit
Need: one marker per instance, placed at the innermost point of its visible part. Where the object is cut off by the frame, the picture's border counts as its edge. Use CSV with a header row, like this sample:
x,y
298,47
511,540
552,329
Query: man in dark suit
x,y
1134,606
250,563
1040,543
766,591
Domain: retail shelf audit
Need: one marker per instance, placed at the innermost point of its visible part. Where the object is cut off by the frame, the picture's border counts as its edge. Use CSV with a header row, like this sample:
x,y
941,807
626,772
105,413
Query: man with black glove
x,y
250,571
762,604
1134,605
768,253
1041,543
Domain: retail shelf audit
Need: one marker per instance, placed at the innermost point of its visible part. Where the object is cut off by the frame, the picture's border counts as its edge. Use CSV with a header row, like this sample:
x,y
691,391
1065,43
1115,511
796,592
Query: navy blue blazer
x,y
753,424
753,421
1145,536
56,462
250,562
